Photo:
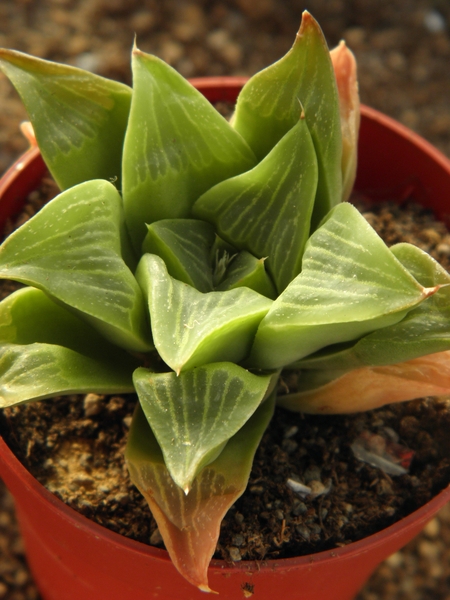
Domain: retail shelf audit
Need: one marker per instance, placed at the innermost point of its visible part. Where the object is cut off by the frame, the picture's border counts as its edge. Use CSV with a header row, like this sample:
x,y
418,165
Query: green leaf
x,y
172,158
351,284
424,330
193,415
72,250
192,329
38,371
79,118
190,525
267,211
269,105
425,269
185,246
245,270
46,350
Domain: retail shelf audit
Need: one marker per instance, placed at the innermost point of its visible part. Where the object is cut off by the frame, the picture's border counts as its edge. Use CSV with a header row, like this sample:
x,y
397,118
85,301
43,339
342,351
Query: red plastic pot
x,y
75,559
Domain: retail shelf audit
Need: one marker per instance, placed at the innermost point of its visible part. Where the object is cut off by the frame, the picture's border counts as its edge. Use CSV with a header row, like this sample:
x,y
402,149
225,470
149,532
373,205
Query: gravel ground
x,y
403,52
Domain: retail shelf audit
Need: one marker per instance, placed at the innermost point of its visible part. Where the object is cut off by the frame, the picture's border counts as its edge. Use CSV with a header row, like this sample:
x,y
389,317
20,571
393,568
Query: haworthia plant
x,y
191,260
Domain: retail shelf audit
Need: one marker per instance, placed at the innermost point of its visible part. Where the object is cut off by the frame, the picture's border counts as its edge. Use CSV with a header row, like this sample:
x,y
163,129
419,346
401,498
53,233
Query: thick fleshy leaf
x,y
371,387
72,250
267,211
177,146
47,350
192,329
185,246
351,284
344,65
424,268
245,270
79,118
424,330
269,103
194,414
190,525
38,371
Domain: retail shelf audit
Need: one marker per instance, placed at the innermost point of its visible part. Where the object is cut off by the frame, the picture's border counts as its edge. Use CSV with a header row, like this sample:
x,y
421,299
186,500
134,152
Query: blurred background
x,y
403,53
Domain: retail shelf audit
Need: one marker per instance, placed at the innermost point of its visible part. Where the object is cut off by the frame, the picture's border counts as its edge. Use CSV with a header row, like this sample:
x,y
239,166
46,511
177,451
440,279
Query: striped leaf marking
x,y
268,107
190,525
47,350
350,284
176,146
424,330
38,371
194,414
190,328
185,246
79,118
72,250
267,211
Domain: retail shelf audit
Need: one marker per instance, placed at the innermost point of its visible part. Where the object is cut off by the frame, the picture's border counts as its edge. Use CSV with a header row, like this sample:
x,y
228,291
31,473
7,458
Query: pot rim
x,y
31,159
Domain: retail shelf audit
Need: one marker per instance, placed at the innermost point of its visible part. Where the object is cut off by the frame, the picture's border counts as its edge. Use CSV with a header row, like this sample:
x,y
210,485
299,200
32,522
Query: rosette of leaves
x,y
191,260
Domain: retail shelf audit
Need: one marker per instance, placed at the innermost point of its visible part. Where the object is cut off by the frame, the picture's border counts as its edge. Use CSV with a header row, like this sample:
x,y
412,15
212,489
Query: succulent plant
x,y
191,260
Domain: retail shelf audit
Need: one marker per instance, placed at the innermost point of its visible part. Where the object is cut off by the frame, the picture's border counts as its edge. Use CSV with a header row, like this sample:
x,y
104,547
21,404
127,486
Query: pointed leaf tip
x,y
345,69
205,406
307,20
206,588
429,291
190,525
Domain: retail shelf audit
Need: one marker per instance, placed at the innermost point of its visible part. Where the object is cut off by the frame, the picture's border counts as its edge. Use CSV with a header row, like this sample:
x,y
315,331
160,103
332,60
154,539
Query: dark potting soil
x,y
74,446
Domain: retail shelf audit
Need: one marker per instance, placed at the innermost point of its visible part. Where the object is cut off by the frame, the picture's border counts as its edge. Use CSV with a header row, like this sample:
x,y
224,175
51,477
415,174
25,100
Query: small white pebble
x,y
434,22
290,431
92,404
298,488
235,553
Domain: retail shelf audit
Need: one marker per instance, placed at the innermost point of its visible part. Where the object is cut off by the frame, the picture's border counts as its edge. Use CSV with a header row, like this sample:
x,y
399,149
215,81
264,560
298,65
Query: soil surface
x,y
403,49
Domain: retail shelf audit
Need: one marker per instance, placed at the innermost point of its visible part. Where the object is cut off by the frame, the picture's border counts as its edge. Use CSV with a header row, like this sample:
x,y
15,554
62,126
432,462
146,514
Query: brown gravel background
x,y
403,52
